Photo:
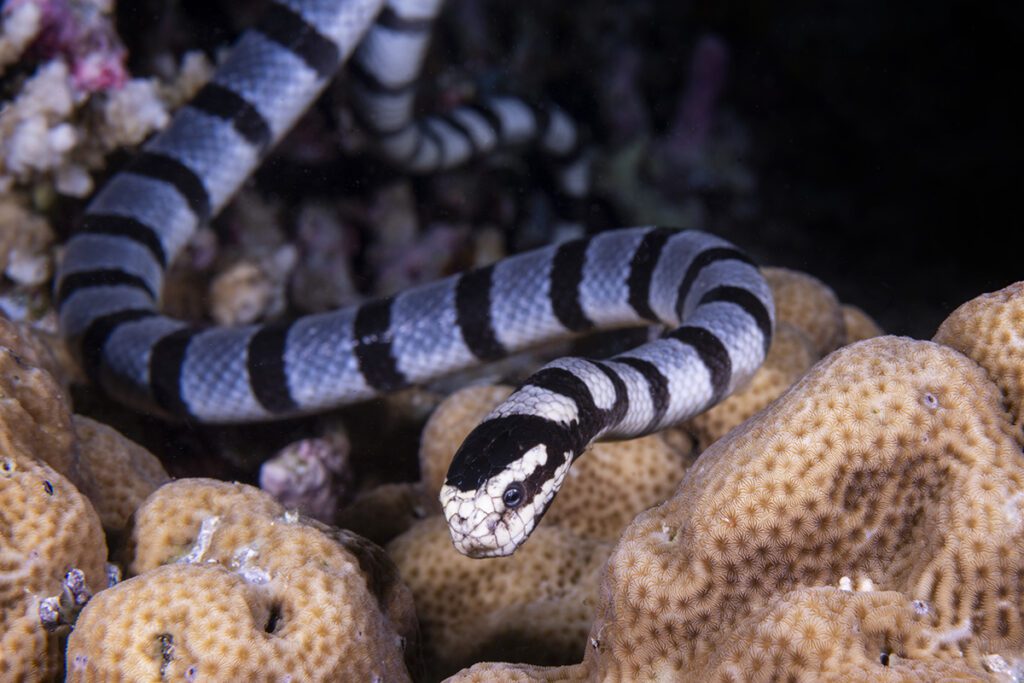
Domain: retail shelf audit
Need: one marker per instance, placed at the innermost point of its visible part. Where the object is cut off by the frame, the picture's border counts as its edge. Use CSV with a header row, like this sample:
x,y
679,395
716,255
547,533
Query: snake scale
x,y
713,302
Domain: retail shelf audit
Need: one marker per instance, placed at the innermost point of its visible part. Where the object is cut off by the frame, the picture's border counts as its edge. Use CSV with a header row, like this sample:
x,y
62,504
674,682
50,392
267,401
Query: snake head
x,y
502,480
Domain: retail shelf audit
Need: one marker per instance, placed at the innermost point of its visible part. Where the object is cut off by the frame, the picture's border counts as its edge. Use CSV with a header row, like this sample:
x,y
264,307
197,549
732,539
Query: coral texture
x,y
847,636
990,329
859,325
808,303
38,349
121,473
230,587
536,604
34,416
892,463
25,239
46,528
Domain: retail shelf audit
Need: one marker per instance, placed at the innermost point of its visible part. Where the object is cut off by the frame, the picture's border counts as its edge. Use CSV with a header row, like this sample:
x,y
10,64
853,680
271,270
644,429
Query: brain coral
x,y
892,460
839,635
252,594
46,528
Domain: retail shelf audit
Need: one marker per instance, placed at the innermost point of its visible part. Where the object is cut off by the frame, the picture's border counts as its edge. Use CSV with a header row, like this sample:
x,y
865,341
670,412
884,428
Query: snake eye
x,y
513,496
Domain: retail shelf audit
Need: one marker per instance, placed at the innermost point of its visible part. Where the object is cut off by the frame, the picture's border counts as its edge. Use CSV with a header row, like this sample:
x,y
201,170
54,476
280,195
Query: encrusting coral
x,y
231,587
837,634
894,462
79,104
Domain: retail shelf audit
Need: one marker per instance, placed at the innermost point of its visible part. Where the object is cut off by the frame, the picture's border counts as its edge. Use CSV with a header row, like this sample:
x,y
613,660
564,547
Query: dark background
x,y
888,141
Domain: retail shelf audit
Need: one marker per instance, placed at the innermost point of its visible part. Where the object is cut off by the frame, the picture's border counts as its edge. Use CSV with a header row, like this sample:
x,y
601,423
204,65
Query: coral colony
x,y
854,512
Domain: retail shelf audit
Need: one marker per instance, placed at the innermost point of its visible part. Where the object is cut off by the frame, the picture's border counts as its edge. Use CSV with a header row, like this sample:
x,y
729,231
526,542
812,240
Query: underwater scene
x,y
423,340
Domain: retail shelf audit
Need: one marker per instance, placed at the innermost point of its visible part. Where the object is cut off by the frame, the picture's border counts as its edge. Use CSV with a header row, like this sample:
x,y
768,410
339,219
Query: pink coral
x,y
80,31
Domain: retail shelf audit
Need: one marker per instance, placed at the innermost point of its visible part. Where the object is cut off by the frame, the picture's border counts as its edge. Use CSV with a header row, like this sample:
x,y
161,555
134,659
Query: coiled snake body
x,y
712,299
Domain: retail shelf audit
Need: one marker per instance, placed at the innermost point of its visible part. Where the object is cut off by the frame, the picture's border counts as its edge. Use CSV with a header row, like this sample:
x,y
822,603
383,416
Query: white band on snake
x,y
713,301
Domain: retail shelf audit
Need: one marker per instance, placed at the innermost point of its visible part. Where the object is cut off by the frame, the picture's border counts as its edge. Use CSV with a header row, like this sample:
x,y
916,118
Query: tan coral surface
x,y
122,472
168,523
893,463
990,329
859,325
34,416
808,303
536,604
847,636
251,593
837,634
39,348
46,528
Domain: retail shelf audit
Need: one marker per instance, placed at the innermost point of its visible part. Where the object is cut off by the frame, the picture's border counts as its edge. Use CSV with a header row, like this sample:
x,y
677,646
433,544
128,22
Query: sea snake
x,y
715,304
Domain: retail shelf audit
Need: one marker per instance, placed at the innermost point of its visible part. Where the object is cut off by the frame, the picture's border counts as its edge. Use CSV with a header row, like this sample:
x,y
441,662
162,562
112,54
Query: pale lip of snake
x,y
483,525
478,533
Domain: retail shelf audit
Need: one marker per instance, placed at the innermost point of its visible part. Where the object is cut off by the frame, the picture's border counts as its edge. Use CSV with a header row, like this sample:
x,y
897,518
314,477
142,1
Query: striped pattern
x,y
719,313
383,75
712,300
